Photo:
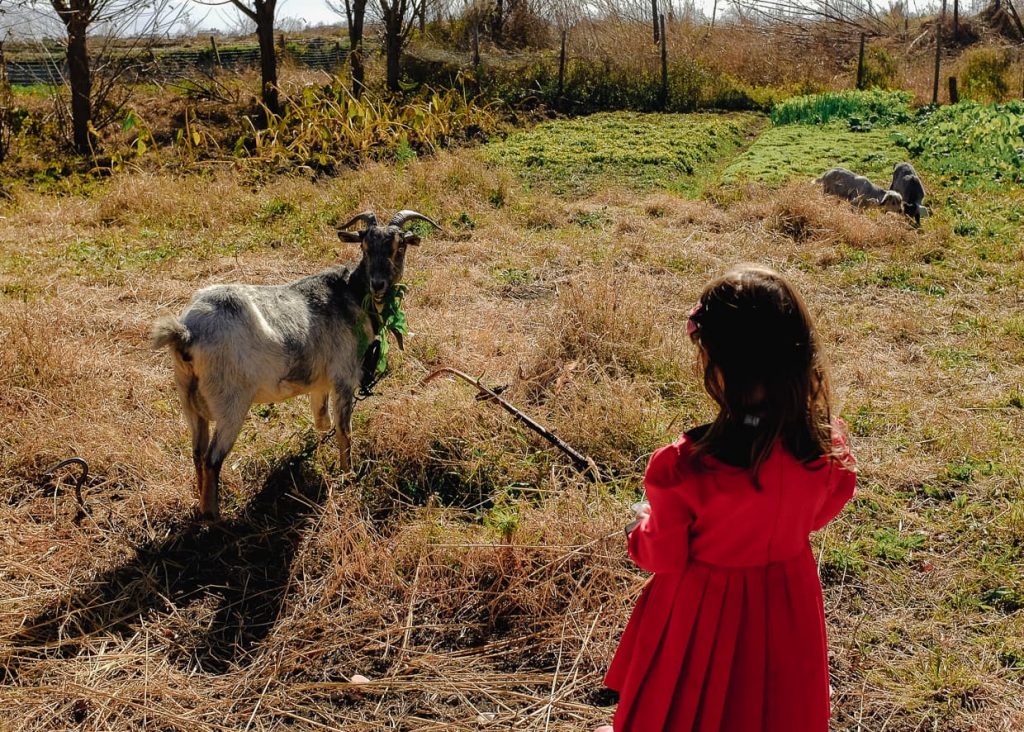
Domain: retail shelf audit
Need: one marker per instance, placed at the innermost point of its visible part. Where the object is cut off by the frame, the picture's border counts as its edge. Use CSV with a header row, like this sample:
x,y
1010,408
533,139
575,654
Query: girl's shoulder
x,y
670,465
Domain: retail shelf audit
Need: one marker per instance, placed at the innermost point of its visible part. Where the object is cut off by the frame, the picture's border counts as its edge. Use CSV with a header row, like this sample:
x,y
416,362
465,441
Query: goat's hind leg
x,y
226,432
198,425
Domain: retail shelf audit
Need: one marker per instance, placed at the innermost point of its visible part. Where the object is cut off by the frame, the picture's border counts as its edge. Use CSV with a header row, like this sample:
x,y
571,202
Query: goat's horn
x,y
368,216
403,217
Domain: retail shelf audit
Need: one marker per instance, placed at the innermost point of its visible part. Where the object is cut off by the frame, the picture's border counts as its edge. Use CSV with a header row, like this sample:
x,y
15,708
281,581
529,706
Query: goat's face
x,y
383,248
892,201
384,257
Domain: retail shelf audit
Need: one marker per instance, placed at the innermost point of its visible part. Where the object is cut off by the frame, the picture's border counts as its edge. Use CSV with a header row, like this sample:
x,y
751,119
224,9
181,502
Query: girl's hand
x,y
640,511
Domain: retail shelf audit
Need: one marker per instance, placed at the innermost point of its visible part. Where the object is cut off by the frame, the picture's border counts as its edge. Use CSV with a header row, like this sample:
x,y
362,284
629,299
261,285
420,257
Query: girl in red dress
x,y
729,633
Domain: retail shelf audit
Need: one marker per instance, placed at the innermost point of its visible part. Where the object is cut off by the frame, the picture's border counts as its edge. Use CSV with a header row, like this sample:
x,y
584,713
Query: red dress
x,y
729,633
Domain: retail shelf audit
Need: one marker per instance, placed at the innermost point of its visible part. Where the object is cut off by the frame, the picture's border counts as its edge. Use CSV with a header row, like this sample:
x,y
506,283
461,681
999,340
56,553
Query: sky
x,y
312,12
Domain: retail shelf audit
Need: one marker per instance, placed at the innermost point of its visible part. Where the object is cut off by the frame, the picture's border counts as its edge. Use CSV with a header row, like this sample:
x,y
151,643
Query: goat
x,y
907,183
236,345
859,190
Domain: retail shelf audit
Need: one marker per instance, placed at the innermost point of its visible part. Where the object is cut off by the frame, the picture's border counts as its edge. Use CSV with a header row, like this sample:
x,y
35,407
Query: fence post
x,y
954,95
938,53
664,64
561,72
216,51
860,64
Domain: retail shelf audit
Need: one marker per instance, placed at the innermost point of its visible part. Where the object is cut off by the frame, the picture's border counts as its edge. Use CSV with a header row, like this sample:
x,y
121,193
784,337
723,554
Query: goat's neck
x,y
359,286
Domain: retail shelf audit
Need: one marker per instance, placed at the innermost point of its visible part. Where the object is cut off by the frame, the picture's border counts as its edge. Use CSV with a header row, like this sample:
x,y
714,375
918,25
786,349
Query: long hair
x,y
763,367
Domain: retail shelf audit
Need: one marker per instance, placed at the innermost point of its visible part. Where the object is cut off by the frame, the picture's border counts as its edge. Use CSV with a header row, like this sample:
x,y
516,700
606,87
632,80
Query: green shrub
x,y
880,69
973,144
876,107
983,78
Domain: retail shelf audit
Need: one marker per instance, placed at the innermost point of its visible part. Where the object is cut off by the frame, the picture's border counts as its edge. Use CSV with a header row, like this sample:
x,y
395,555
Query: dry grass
x,y
468,572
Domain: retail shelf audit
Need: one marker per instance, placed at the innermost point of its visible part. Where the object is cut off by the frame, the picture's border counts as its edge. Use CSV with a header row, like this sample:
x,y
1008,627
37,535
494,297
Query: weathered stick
x,y
585,464
82,510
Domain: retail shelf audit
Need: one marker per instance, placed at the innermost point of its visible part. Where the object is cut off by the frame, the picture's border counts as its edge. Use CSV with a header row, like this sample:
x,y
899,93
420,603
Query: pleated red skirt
x,y
719,649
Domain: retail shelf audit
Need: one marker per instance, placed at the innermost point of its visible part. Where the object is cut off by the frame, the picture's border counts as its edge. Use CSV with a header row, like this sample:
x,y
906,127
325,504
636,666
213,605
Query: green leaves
x,y
972,144
392,319
869,108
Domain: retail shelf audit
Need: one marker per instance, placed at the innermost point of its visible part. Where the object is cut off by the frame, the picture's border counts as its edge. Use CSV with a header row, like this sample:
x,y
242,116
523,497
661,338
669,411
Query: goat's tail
x,y
172,332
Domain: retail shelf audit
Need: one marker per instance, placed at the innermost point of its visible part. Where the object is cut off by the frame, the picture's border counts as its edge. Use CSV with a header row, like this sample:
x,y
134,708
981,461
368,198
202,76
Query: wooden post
x,y
860,64
476,46
938,53
654,17
954,96
664,64
561,72
216,51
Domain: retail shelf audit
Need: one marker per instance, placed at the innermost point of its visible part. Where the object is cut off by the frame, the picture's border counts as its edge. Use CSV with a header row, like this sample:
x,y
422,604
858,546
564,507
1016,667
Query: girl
x,y
729,633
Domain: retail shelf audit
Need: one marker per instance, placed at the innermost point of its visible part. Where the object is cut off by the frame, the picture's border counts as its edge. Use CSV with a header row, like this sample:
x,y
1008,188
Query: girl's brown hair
x,y
762,366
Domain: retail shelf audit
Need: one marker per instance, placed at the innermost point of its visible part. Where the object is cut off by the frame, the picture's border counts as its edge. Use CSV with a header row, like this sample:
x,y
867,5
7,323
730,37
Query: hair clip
x,y
692,326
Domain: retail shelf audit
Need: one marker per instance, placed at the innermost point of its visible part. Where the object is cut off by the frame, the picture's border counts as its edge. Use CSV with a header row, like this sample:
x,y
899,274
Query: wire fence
x,y
168,65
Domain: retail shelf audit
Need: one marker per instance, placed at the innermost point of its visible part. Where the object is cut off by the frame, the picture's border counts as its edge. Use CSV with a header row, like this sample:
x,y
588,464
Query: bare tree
x,y
397,17
106,19
355,14
261,12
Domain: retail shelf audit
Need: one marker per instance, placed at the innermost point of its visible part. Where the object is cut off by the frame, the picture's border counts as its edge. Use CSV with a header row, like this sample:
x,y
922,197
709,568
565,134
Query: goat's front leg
x,y
321,417
224,436
344,401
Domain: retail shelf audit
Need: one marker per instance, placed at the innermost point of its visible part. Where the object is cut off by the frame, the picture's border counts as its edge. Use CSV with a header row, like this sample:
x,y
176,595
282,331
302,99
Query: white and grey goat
x,y
236,345
859,190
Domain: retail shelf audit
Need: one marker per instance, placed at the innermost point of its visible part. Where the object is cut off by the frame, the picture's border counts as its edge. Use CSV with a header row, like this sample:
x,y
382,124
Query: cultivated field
x,y
467,570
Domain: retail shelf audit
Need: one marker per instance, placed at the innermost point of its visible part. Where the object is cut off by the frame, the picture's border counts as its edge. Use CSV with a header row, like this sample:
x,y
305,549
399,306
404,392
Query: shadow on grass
x,y
209,593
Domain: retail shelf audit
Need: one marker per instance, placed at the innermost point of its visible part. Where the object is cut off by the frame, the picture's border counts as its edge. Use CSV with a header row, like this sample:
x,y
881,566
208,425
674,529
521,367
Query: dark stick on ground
x,y
583,463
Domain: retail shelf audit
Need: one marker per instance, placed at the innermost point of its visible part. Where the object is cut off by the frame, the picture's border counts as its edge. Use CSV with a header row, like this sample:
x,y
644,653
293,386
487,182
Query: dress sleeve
x,y
842,480
660,543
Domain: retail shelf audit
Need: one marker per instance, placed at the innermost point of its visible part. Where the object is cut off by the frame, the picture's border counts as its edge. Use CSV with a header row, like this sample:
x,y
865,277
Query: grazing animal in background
x,y
858,190
907,183
236,345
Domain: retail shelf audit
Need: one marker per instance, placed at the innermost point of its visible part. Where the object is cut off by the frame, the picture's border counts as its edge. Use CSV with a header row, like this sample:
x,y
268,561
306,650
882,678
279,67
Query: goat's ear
x,y
410,238
351,236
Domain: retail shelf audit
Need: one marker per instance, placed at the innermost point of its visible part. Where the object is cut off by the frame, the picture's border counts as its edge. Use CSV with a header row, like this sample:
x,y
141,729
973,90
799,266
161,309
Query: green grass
x,y
640,151
803,151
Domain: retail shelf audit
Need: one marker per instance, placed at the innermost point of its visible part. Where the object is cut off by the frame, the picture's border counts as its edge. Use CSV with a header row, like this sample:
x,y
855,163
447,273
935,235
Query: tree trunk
x,y
393,48
956,21
860,64
561,72
497,21
423,17
355,41
664,63
80,78
268,58
654,17
938,53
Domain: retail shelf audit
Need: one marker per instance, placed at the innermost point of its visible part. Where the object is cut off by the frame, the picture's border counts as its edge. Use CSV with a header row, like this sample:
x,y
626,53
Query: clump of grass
x,y
327,127
875,107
